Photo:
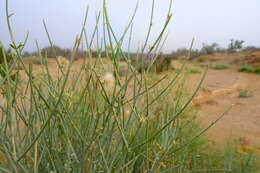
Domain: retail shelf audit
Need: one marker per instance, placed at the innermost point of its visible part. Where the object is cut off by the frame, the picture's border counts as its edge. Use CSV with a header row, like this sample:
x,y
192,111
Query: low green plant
x,y
257,70
214,66
245,94
201,65
153,63
218,66
194,70
191,53
246,68
249,69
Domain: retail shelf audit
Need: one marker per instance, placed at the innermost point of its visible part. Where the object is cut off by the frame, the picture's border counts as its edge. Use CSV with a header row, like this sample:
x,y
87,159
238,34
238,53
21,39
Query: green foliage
x,y
201,65
185,52
218,66
257,70
249,69
202,58
246,68
209,49
235,45
5,57
158,64
245,94
77,121
194,70
162,64
214,66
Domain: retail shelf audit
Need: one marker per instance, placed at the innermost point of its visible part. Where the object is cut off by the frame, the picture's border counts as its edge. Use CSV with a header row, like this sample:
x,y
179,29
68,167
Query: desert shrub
x,y
209,49
52,52
184,52
179,52
201,65
249,69
235,45
201,58
213,66
162,63
73,122
246,68
158,64
194,70
195,53
257,70
56,51
218,66
245,94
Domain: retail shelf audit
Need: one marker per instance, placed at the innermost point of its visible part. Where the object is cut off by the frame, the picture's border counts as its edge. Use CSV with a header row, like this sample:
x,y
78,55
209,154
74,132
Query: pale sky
x,y
206,20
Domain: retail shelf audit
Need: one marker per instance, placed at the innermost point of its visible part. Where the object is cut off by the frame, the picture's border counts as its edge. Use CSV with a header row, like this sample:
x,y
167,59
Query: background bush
x,y
158,64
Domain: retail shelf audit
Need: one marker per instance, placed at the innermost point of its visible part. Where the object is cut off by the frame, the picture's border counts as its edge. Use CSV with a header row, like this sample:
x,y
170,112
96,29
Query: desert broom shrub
x,y
70,123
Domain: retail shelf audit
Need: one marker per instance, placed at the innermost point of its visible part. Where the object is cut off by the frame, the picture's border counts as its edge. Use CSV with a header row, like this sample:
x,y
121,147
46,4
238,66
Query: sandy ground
x,y
220,90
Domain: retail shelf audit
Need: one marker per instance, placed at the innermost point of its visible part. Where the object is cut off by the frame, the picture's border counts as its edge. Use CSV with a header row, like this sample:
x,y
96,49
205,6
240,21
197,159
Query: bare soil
x,y
220,90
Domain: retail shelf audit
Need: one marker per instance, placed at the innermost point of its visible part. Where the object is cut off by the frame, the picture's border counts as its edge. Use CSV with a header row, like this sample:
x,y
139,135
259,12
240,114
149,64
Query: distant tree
x,y
209,49
184,52
235,45
180,52
52,52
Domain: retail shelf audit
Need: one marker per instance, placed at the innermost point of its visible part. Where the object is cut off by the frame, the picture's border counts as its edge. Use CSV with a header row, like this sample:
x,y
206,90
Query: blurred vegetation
x,y
214,66
6,59
249,69
194,70
219,66
235,45
245,94
163,60
156,64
